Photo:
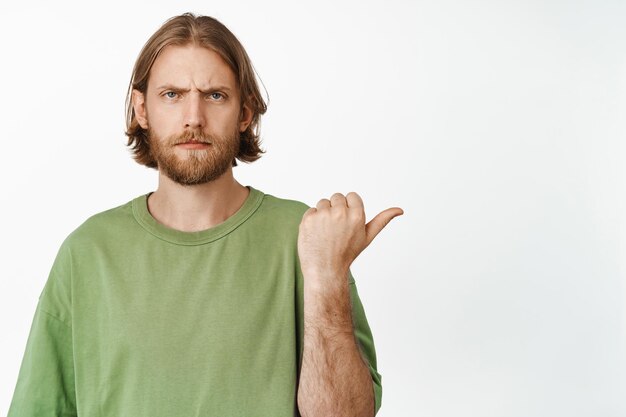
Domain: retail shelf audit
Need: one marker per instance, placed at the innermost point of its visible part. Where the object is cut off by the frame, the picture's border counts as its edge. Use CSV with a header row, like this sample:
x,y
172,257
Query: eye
x,y
219,98
169,92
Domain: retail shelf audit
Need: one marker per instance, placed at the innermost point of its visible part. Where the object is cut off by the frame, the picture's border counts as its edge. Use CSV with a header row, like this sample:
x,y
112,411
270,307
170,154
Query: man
x,y
204,297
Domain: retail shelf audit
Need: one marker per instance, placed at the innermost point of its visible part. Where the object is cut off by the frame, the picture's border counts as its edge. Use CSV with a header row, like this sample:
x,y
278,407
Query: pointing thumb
x,y
381,220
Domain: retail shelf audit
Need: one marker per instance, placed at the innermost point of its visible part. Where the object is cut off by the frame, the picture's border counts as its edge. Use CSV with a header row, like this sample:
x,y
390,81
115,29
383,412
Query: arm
x,y
334,378
46,382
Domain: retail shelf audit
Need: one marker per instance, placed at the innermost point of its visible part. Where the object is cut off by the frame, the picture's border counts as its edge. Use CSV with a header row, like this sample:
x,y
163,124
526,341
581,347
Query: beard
x,y
194,166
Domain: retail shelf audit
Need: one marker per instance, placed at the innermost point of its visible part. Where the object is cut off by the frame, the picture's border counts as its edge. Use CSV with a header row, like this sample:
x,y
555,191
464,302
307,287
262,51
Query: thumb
x,y
381,220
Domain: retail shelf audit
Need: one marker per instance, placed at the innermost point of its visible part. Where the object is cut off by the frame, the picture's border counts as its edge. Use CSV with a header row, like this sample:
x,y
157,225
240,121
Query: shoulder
x,y
109,222
286,212
55,297
285,205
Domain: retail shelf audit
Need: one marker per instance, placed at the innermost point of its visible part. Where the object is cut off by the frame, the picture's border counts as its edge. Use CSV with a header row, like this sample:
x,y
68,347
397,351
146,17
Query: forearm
x,y
334,379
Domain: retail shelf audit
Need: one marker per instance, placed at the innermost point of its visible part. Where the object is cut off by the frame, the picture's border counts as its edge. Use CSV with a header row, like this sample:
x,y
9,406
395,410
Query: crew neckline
x,y
179,237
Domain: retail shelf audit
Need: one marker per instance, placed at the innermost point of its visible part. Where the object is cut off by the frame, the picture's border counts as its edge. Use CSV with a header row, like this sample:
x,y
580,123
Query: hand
x,y
334,233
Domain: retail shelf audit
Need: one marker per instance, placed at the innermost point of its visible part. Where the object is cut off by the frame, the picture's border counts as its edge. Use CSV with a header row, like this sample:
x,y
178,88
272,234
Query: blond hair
x,y
207,32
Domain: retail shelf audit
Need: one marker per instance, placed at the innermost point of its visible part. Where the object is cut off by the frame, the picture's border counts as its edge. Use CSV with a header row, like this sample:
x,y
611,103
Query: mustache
x,y
193,136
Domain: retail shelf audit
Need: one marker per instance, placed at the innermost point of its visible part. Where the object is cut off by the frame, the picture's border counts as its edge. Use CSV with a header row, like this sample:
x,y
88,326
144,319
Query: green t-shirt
x,y
139,319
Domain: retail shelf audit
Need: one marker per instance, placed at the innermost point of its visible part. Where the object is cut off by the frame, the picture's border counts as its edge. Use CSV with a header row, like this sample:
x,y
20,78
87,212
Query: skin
x,y
335,379
197,191
176,116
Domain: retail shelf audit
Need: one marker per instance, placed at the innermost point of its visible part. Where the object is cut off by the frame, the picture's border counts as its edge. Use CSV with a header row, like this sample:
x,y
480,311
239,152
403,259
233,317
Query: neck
x,y
196,207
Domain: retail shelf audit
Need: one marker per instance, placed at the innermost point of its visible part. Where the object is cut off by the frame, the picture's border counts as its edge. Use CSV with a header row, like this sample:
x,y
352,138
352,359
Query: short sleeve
x,y
45,384
365,341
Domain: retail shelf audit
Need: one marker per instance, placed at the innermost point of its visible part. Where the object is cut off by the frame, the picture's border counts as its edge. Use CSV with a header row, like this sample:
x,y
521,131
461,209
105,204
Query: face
x,y
192,95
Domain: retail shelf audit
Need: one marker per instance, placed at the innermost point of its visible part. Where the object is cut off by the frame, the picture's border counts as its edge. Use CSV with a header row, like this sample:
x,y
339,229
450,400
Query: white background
x,y
498,126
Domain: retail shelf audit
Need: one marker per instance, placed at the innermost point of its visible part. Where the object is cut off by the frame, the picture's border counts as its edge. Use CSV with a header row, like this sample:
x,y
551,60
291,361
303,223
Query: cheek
x,y
222,119
163,120
161,112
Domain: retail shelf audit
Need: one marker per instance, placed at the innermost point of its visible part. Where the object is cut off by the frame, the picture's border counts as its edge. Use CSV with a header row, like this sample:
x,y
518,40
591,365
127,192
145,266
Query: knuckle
x,y
357,214
340,212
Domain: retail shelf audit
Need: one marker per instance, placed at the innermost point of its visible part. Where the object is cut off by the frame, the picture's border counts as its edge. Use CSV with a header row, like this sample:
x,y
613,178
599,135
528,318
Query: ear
x,y
246,117
139,105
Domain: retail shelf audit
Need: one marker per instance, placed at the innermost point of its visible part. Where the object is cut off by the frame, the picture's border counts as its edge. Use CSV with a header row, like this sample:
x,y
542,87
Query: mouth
x,y
193,144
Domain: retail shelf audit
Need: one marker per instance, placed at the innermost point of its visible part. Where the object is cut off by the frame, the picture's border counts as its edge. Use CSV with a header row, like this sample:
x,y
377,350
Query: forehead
x,y
191,66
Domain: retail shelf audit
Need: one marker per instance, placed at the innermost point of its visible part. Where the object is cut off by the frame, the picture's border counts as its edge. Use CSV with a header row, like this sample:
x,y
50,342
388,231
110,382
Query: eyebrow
x,y
174,88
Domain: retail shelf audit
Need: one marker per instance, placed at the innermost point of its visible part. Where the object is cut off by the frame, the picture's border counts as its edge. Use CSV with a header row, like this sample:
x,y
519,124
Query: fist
x,y
334,233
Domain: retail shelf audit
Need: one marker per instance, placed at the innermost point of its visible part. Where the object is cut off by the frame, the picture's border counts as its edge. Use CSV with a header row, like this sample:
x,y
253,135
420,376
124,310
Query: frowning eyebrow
x,y
186,90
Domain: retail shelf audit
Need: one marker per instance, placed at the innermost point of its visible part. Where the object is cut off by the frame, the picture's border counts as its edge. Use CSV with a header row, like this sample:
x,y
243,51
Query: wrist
x,y
328,306
332,280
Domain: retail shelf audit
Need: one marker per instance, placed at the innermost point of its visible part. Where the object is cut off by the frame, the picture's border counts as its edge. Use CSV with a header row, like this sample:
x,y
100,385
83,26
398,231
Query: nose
x,y
194,115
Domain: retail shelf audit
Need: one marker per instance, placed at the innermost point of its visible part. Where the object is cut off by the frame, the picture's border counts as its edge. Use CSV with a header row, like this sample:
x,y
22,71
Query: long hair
x,y
207,32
